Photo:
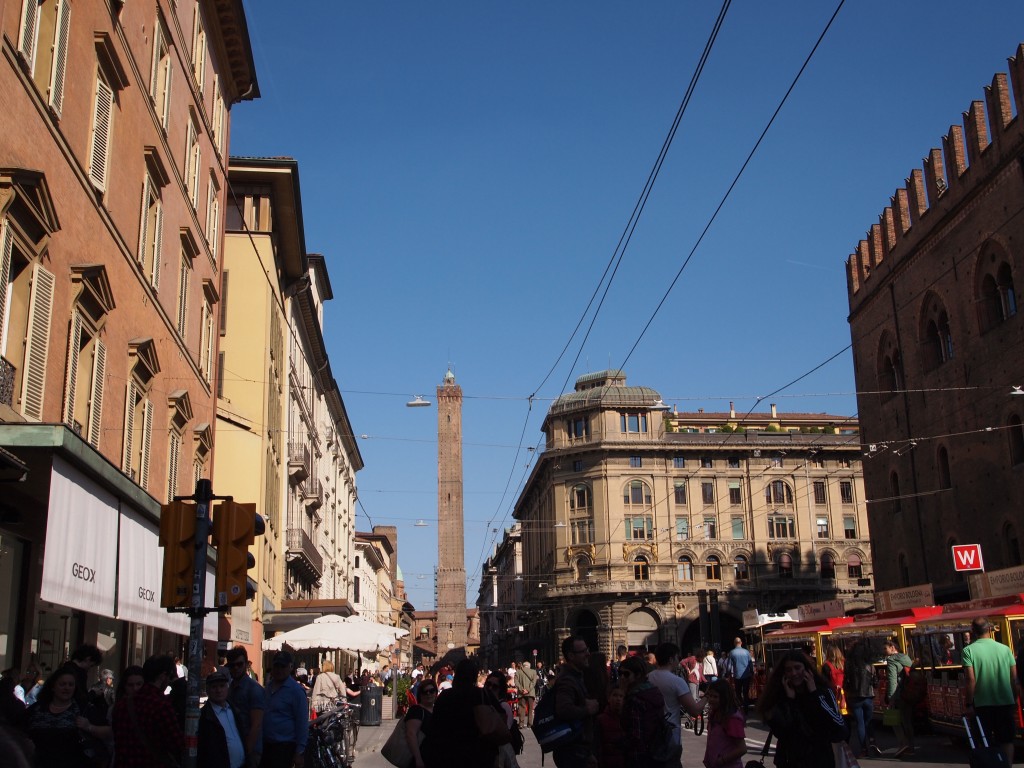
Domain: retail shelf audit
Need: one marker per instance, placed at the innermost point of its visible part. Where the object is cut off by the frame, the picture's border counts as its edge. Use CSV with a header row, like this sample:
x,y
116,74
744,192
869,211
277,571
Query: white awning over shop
x,y
140,575
80,559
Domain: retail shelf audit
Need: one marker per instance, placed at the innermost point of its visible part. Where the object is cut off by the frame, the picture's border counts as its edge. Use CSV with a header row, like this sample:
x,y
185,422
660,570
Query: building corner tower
x,y
451,566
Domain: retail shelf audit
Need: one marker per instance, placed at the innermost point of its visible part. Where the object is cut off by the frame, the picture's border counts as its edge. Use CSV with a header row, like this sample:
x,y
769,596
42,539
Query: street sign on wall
x,y
967,557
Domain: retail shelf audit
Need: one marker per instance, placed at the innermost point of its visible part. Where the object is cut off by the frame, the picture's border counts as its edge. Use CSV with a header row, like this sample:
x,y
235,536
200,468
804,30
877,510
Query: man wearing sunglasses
x,y
249,700
572,704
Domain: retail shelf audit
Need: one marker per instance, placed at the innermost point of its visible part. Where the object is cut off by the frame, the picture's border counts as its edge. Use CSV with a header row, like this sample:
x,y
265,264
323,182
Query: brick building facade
x,y
937,337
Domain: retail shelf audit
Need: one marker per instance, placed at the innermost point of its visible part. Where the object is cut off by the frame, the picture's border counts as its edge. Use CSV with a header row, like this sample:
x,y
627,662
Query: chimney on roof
x,y
732,410
700,410
774,412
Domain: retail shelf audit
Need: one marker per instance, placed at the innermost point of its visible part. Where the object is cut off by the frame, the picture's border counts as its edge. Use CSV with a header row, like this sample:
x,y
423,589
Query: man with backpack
x,y
573,706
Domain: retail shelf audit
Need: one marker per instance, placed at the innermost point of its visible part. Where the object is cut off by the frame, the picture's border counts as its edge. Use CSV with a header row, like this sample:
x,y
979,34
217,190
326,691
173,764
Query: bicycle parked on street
x,y
332,737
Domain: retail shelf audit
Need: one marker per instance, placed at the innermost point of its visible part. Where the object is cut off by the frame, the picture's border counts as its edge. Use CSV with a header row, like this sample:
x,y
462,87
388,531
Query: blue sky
x,y
467,169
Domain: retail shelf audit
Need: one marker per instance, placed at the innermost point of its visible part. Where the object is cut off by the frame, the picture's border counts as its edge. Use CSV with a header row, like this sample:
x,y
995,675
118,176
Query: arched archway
x,y
718,636
642,630
585,625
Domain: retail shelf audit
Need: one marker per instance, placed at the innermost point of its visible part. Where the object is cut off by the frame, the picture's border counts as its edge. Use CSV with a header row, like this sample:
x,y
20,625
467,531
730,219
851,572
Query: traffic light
x,y
177,537
235,527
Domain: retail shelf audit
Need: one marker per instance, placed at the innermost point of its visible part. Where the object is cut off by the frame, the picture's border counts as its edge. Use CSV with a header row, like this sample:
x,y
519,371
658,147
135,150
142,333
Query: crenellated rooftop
x,y
969,155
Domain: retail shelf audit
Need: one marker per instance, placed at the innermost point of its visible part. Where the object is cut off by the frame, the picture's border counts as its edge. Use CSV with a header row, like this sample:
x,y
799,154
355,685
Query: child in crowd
x,y
726,727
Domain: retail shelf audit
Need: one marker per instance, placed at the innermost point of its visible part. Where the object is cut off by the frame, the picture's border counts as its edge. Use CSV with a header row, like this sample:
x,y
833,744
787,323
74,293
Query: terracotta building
x,y
937,336
639,525
113,166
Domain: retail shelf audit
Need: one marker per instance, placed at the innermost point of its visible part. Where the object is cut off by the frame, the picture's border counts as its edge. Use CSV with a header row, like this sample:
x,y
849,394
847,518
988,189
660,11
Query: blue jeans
x,y
862,710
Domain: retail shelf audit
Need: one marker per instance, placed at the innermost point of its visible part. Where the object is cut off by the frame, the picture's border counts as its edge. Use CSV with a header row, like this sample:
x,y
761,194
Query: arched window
x,y
778,493
785,562
894,492
997,297
637,494
1015,433
942,467
581,568
685,568
828,566
853,567
936,334
641,568
579,498
1007,294
890,366
741,566
714,568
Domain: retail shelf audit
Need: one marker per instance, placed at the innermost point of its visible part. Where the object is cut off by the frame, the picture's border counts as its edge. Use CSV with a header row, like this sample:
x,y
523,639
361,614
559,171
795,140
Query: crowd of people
x,y
623,713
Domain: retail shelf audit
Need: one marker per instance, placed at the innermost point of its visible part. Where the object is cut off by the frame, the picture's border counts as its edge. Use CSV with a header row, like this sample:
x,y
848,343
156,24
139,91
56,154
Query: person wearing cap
x,y
286,717
249,700
991,671
220,738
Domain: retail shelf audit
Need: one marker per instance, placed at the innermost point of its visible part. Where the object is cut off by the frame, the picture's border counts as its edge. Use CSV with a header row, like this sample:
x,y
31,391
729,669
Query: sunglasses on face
x,y
236,664
625,673
428,692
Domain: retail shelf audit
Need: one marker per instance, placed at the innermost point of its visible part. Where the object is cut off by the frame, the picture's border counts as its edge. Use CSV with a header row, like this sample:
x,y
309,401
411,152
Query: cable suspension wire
x,y
624,239
735,181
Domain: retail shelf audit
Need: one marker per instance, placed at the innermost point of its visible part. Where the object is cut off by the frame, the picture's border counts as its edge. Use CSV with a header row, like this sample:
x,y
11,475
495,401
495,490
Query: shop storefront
x,y
80,561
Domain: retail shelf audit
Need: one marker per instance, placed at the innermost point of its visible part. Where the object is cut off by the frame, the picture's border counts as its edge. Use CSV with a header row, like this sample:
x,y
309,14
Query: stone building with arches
x,y
639,524
937,339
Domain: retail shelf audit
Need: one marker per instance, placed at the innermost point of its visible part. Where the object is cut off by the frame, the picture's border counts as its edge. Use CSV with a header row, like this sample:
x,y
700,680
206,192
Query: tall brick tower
x,y
451,566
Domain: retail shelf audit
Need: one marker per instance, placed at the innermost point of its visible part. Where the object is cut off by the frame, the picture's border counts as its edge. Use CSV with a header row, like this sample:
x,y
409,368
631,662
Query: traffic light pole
x,y
197,612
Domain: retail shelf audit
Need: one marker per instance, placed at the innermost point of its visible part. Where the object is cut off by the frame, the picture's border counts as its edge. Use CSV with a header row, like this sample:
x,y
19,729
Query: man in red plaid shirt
x,y
146,728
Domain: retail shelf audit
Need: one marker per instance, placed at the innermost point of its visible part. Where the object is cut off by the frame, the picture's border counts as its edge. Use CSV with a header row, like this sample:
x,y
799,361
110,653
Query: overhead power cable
x,y
735,181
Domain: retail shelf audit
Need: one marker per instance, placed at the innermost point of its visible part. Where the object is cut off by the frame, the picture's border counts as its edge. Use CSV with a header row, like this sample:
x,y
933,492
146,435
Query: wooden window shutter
x,y
37,342
223,302
165,115
190,140
147,443
71,375
158,237
60,56
197,471
147,186
154,70
216,225
183,297
29,23
6,251
129,428
99,370
102,117
197,162
220,374
172,466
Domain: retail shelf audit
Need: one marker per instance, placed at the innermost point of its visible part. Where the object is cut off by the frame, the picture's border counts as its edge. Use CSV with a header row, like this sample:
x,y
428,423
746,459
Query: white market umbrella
x,y
336,633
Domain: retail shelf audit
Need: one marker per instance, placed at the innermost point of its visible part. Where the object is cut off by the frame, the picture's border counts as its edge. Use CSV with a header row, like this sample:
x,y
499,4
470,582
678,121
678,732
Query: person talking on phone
x,y
803,714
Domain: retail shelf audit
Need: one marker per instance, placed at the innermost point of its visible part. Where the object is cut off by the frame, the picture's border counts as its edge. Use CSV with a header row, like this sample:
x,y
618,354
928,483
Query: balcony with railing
x,y
298,462
303,553
313,494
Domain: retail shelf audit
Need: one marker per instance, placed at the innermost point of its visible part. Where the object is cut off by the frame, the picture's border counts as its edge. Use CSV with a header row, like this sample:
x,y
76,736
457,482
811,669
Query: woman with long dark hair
x,y
801,710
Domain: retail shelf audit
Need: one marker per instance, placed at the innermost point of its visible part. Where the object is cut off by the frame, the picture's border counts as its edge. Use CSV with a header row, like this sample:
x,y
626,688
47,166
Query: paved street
x,y
932,751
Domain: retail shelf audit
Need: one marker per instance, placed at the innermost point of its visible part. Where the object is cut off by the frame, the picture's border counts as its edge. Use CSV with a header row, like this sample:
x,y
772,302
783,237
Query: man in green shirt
x,y
991,686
